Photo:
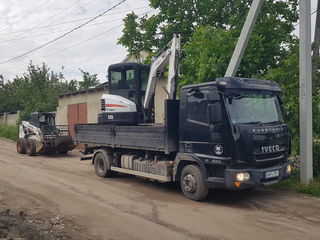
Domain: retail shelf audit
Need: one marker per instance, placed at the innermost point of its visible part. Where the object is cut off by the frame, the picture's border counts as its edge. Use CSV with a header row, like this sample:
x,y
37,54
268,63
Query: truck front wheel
x,y
102,164
192,183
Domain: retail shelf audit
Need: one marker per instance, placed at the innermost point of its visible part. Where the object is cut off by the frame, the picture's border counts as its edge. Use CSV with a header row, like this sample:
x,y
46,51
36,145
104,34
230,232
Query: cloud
x,y
93,56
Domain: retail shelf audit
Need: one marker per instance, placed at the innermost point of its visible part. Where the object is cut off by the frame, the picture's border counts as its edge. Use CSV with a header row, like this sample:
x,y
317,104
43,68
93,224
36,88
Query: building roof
x,y
101,87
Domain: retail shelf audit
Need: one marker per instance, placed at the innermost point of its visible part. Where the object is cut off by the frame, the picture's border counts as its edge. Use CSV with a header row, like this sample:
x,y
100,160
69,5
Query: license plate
x,y
271,174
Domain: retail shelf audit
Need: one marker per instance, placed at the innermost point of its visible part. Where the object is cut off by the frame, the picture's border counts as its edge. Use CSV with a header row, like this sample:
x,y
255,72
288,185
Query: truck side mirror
x,y
214,113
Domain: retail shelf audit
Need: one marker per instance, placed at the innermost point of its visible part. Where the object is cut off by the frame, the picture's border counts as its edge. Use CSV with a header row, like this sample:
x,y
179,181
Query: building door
x,y
77,113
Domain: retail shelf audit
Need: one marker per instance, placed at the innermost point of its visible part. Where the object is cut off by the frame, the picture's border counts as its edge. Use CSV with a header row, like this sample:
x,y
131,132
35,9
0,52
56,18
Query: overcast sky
x,y
27,24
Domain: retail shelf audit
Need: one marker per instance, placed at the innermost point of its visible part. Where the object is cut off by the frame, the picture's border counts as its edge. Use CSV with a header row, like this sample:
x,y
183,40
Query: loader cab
x,y
129,80
39,119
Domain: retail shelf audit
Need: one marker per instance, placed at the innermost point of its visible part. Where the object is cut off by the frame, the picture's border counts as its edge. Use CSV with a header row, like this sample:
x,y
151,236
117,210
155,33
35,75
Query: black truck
x,y
229,133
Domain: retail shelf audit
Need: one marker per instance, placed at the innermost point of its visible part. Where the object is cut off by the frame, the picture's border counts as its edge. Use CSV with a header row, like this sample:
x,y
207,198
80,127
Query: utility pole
x,y
244,38
315,54
305,93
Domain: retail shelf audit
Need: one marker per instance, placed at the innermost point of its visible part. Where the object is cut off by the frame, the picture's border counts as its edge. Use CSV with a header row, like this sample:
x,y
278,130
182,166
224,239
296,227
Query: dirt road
x,y
131,208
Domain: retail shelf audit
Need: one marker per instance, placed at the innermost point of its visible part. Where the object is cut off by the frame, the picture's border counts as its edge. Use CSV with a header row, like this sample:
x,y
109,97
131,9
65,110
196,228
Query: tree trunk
x,y
315,48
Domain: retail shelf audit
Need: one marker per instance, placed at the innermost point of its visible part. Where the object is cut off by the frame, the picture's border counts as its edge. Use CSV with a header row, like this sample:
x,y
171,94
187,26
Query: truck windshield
x,y
254,107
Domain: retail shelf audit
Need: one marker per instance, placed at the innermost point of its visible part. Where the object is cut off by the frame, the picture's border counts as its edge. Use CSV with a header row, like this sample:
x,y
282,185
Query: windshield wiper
x,y
239,96
275,122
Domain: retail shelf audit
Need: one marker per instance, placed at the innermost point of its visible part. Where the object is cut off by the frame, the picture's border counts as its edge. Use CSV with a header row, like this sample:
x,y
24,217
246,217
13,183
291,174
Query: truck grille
x,y
103,104
265,140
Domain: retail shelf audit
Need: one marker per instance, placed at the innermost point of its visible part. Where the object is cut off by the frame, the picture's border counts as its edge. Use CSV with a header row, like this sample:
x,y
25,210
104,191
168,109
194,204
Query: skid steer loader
x,y
41,135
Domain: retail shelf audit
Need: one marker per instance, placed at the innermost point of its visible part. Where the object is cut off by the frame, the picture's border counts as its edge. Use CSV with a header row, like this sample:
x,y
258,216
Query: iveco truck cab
x,y
235,128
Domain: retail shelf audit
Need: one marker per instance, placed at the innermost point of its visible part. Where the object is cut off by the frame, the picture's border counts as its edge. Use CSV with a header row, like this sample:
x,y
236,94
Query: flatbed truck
x,y
229,133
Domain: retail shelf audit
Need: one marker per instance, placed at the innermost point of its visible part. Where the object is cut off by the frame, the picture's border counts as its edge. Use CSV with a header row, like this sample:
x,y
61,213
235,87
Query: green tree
x,y
36,90
287,75
207,54
270,38
88,80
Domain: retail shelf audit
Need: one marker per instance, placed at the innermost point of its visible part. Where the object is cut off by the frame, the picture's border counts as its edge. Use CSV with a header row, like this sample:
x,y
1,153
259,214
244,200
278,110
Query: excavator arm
x,y
169,55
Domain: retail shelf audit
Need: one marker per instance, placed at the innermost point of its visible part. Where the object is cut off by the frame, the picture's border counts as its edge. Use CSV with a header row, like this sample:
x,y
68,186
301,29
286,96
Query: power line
x,y
311,15
52,32
88,39
76,44
82,6
69,6
49,33
63,35
67,22
71,46
65,15
81,42
29,13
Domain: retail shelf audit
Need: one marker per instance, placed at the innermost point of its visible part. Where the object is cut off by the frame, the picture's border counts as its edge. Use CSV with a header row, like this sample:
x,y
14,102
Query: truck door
x,y
195,136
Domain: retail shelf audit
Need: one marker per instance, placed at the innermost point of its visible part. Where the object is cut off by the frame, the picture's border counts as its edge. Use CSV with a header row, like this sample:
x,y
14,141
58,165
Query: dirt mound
x,y
18,225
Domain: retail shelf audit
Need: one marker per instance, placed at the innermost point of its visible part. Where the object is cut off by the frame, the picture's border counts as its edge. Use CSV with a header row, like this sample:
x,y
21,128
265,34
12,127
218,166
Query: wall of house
x,y
9,119
92,99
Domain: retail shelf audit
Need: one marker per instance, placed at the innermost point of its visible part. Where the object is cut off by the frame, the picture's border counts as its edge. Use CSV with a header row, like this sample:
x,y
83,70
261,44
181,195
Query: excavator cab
x,y
129,80
123,105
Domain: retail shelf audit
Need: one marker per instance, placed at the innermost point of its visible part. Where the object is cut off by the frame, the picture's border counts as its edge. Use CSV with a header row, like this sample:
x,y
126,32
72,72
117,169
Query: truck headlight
x,y
242,176
289,169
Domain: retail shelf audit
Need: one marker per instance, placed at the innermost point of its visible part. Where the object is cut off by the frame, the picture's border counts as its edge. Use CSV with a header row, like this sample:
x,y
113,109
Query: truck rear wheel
x,y
21,146
102,164
31,147
192,183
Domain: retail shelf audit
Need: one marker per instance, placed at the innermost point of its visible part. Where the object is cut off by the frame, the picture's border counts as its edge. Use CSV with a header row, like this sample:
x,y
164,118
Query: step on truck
x,y
228,133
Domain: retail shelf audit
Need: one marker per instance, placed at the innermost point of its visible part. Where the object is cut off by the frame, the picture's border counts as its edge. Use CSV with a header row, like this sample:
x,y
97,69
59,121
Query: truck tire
x,y
31,147
102,164
192,183
21,146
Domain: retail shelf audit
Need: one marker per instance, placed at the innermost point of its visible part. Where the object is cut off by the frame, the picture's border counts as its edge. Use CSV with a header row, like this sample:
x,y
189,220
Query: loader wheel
x,y
102,164
192,183
31,147
21,146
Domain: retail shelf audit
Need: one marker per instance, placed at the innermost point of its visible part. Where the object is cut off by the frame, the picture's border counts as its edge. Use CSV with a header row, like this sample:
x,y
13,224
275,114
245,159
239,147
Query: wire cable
x,y
63,35
59,31
76,44
53,16
311,15
71,21
81,42
28,14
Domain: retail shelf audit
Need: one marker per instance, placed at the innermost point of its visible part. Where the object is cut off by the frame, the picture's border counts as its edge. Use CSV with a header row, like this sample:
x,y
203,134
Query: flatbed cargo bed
x,y
154,137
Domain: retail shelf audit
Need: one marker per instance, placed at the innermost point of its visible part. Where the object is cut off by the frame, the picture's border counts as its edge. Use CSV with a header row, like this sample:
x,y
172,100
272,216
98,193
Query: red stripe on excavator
x,y
114,105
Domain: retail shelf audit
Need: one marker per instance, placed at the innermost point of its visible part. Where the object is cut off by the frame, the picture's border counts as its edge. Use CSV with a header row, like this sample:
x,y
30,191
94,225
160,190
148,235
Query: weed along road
x,y
134,208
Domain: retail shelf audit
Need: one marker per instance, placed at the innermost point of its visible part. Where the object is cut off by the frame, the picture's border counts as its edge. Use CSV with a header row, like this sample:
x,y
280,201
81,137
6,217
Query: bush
x,y
295,160
9,131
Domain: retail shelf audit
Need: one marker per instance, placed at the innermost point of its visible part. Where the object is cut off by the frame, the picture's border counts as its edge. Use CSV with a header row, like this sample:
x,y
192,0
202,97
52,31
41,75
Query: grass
x,y
9,131
293,184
